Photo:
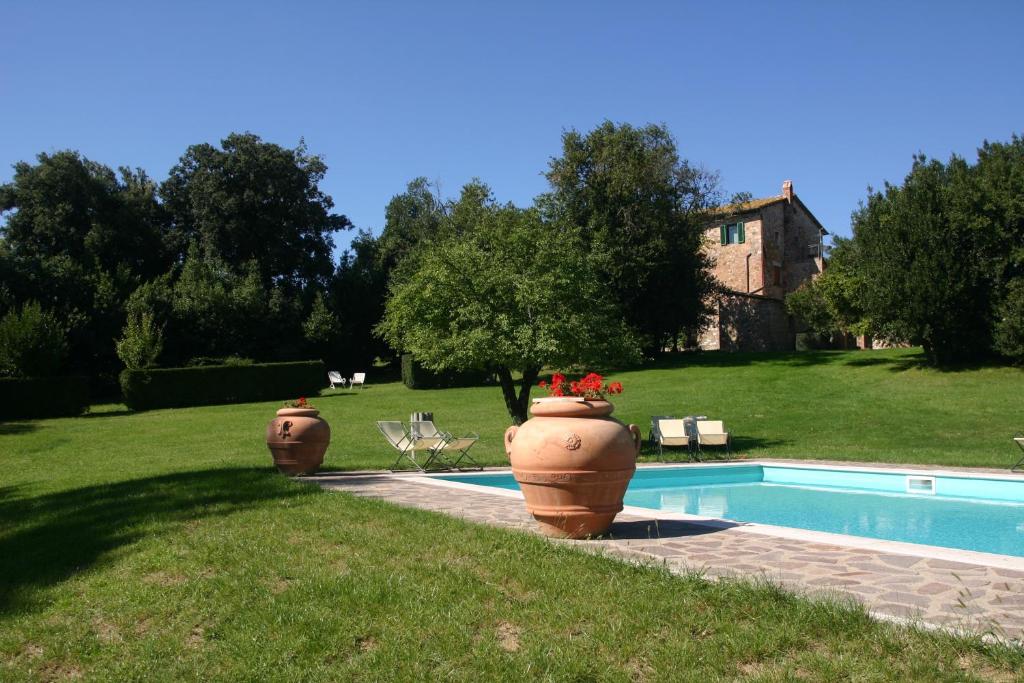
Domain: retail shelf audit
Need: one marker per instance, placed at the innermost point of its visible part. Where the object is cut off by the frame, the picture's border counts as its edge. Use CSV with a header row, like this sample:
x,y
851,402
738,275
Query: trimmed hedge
x,y
199,386
24,399
415,376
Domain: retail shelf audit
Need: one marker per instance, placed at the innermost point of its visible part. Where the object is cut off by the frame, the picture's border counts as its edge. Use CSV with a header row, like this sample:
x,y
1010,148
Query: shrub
x,y
206,361
415,376
23,399
33,343
1009,326
179,387
141,342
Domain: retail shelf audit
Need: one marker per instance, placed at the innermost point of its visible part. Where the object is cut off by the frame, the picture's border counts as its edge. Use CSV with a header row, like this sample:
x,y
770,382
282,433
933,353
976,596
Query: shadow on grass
x,y
46,539
109,413
17,427
726,359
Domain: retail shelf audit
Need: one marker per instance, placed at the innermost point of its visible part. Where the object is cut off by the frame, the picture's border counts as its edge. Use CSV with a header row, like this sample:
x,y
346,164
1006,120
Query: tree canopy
x,y
639,208
937,260
508,291
254,201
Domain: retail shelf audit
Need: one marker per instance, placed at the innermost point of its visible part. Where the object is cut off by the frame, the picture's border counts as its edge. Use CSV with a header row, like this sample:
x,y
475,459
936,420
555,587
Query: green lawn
x,y
160,545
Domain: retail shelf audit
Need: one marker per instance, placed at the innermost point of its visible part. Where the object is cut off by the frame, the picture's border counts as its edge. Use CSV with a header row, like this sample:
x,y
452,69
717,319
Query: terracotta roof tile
x,y
743,207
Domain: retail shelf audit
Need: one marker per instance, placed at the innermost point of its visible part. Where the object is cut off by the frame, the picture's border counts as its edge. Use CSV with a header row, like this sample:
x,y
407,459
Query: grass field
x,y
160,546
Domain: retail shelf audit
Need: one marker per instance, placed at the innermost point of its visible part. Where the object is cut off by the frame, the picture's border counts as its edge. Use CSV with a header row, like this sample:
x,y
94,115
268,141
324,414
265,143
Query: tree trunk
x,y
517,405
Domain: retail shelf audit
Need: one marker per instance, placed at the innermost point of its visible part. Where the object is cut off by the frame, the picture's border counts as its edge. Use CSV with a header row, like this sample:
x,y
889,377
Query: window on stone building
x,y
777,276
733,234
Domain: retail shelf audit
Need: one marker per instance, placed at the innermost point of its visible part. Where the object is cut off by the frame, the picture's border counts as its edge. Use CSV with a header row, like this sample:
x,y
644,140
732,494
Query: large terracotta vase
x,y
573,462
298,439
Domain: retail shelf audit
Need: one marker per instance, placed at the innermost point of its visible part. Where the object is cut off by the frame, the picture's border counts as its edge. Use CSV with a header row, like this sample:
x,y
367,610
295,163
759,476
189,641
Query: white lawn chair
x,y
712,433
450,446
336,380
357,378
409,446
671,432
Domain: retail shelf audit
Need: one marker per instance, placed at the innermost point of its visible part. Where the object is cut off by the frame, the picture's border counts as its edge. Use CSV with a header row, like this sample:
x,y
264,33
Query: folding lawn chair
x,y
458,445
408,445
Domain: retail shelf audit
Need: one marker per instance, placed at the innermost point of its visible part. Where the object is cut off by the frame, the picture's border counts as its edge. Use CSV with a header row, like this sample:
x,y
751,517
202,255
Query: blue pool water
x,y
970,513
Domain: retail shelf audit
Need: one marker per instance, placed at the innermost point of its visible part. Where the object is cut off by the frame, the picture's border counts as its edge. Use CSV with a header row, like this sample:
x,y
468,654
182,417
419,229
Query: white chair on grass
x,y
671,432
357,378
712,433
336,380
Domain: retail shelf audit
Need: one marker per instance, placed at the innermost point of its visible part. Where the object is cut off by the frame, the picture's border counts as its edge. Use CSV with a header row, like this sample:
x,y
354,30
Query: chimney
x,y
787,190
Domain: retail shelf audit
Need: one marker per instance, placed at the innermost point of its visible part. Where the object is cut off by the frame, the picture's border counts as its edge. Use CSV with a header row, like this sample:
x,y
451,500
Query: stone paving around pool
x,y
931,592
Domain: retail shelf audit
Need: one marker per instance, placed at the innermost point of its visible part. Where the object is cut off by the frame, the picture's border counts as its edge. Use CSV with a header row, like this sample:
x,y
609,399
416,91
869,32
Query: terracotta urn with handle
x,y
573,462
298,439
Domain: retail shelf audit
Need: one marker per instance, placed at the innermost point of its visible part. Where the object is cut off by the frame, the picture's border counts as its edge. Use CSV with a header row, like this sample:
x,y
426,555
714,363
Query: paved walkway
x,y
933,592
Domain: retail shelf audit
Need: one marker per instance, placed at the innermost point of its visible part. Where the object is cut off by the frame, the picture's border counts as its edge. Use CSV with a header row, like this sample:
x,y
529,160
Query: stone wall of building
x,y
802,251
746,322
738,266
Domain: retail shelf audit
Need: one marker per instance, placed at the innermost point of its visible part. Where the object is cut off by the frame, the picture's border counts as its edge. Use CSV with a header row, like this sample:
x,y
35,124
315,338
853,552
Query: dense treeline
x,y
936,261
231,255
229,259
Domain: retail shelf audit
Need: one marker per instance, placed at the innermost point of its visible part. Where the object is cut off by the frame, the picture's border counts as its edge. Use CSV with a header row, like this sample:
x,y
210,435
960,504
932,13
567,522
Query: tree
x,y
79,238
321,328
410,219
32,342
508,292
924,247
639,208
141,342
254,201
356,295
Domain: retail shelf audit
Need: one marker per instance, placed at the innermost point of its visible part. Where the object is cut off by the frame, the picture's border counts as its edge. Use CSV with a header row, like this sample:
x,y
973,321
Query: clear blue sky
x,y
836,96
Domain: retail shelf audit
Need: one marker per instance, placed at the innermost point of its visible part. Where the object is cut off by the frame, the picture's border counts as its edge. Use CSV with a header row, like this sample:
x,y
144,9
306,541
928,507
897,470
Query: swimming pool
x,y
967,512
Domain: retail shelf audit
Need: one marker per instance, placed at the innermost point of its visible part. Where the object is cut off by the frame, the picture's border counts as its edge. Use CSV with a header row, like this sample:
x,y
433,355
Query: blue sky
x,y
836,96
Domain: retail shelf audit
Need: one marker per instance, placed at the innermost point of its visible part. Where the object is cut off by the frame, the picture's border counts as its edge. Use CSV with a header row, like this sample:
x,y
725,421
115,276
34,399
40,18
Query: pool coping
x,y
972,557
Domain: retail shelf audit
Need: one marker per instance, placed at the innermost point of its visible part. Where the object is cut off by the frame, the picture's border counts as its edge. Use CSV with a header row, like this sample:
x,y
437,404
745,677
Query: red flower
x,y
615,388
556,390
557,378
542,384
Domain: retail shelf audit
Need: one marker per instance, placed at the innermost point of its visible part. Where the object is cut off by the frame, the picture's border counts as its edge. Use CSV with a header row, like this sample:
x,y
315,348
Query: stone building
x,y
762,250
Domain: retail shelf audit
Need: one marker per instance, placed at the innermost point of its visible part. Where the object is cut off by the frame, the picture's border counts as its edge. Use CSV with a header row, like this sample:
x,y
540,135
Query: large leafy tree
x,y
254,201
79,238
507,291
411,218
356,296
639,206
925,250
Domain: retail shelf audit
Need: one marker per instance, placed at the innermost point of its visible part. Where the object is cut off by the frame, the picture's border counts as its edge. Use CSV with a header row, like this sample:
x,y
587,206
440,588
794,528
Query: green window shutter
x,y
722,229
742,235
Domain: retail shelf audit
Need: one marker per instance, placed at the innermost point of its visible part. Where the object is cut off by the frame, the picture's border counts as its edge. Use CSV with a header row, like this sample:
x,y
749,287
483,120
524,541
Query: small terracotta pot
x,y
298,439
573,463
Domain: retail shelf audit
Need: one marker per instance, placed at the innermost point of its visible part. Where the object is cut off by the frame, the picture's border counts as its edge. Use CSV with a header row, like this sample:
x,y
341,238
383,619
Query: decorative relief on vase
x,y
572,441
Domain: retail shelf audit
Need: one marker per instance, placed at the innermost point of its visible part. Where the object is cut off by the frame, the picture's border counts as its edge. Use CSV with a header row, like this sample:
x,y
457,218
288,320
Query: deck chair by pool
x,y
652,437
458,447
408,446
672,432
357,378
712,433
336,380
451,446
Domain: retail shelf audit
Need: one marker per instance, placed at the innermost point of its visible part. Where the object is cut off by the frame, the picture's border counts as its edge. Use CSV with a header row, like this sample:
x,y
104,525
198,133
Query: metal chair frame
x,y
1018,439
407,447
